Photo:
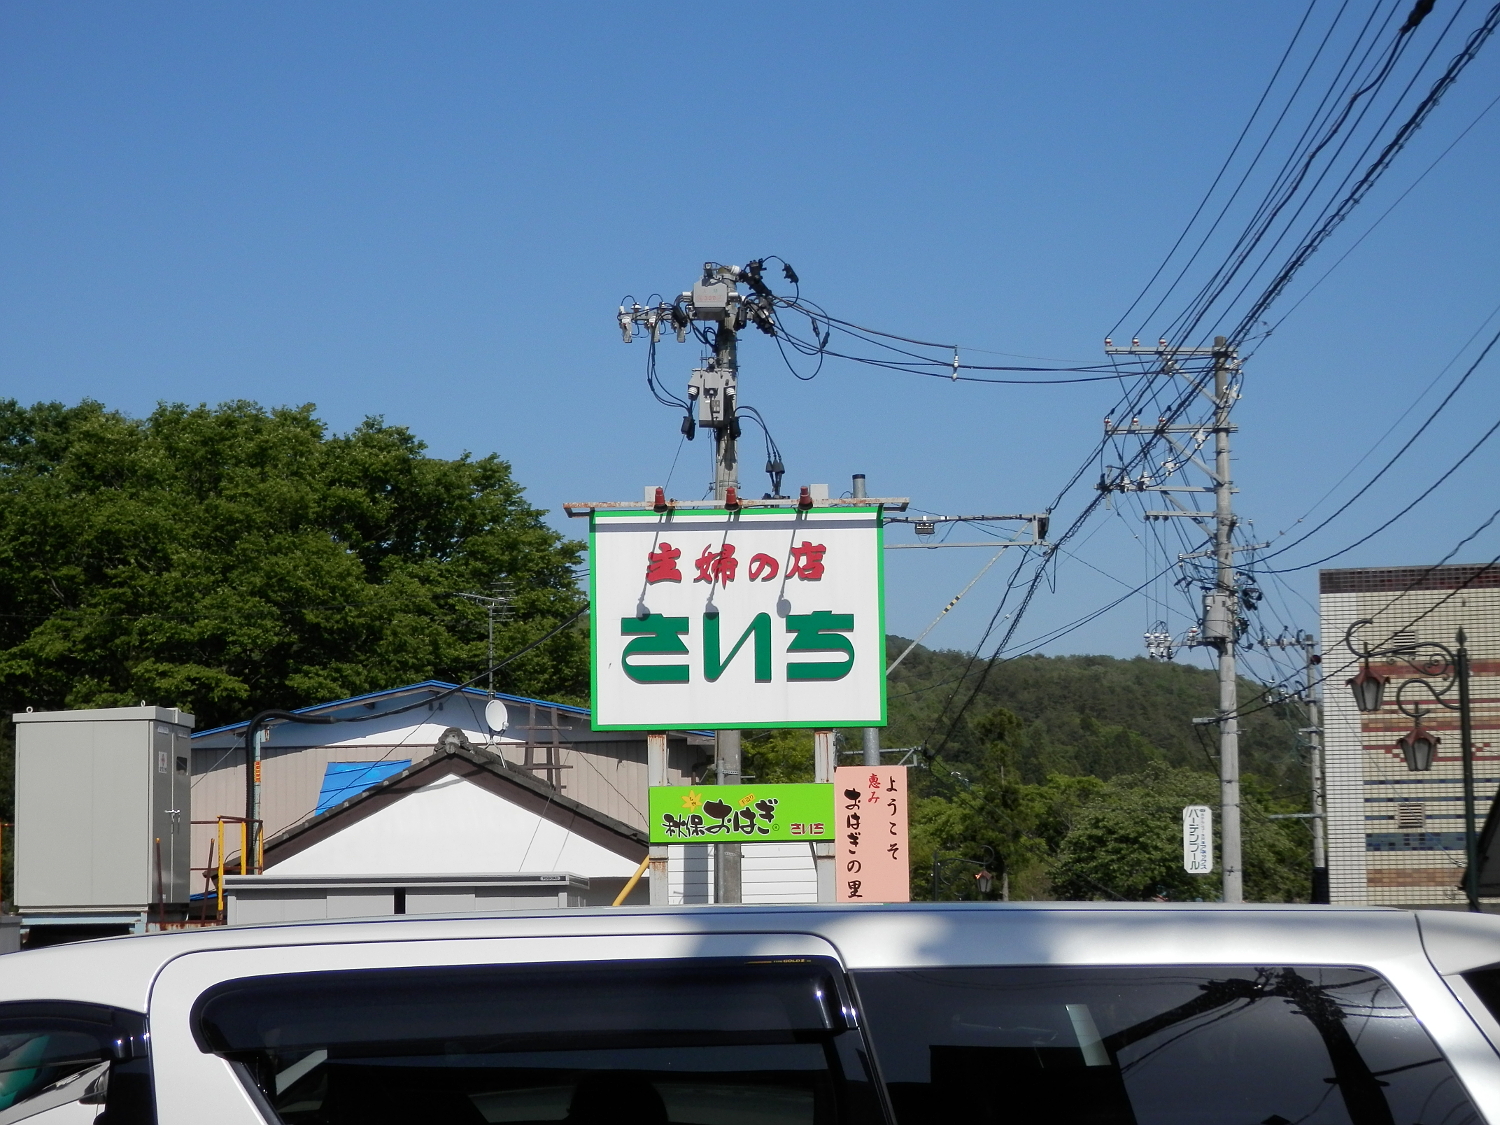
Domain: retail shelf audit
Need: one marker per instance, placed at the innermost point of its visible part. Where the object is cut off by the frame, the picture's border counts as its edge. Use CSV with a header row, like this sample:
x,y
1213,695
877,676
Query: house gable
x,y
460,811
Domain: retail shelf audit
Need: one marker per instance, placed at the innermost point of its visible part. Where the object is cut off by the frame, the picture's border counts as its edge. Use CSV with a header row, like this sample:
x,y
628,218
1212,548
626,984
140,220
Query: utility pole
x,y
1225,602
1221,617
715,298
717,302
1314,733
871,734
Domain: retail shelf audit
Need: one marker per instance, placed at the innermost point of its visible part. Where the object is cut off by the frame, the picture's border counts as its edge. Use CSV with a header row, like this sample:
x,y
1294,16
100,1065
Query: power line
x,y
1369,484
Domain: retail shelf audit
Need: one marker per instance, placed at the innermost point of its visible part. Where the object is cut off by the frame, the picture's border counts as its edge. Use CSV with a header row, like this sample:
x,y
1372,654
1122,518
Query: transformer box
x,y
102,816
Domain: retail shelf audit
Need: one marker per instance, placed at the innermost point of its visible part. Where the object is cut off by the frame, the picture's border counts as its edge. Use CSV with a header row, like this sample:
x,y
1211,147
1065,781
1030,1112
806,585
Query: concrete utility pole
x,y
1220,623
825,757
1314,733
716,298
656,774
1224,606
871,734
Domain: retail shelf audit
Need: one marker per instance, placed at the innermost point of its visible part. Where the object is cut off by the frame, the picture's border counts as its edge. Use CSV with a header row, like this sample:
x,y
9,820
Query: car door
x,y
678,1029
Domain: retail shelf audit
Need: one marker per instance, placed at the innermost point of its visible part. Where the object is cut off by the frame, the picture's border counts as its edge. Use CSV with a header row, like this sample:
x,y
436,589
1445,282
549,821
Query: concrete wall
x,y
266,898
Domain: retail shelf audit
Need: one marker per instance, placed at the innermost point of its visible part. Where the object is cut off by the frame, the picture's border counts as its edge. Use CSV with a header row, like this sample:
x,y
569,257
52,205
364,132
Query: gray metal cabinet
x,y
102,812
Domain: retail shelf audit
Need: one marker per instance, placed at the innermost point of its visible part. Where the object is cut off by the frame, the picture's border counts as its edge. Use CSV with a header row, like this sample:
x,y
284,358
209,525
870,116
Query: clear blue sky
x,y
430,211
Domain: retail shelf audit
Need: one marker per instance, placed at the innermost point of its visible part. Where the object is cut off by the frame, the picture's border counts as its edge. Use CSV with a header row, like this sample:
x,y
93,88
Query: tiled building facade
x,y
1396,837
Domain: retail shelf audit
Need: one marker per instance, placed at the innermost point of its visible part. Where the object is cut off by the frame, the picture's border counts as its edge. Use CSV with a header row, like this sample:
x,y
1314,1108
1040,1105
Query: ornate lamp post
x,y
1439,671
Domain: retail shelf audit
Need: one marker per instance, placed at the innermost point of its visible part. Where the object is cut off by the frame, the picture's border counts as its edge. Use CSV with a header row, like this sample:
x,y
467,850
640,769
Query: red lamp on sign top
x,y
1419,748
1368,688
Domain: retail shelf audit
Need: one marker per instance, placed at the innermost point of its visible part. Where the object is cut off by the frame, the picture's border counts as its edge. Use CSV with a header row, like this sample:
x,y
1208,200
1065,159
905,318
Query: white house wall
x,y
770,874
453,826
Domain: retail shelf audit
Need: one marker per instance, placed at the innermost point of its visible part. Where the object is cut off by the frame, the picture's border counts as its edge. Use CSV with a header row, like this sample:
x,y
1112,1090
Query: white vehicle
x,y
1055,1013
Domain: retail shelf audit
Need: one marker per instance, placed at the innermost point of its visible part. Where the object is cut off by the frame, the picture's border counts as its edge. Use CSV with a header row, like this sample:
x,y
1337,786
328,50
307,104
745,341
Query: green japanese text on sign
x,y
707,814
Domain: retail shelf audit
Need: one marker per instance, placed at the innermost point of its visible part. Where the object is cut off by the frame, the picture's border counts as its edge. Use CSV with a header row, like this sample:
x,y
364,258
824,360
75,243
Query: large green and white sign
x,y
714,619
705,814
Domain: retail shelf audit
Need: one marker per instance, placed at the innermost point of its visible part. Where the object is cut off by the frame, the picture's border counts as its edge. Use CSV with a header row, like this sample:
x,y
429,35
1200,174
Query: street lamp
x,y
1439,670
1419,748
1368,688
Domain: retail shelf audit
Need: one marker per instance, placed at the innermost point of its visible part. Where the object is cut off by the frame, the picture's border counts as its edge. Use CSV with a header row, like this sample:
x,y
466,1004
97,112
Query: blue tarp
x,y
342,780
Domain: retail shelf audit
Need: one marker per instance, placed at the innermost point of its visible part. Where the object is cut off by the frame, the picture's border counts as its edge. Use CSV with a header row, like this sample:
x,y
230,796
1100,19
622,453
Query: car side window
x,y
1486,985
1275,1045
69,1062
676,1042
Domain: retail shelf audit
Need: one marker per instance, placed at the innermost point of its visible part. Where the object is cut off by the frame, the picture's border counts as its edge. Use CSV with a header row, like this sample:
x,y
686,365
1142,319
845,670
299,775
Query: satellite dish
x,y
496,717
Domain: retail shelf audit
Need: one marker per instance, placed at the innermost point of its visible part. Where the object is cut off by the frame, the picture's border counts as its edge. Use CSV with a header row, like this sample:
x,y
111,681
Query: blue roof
x,y
434,686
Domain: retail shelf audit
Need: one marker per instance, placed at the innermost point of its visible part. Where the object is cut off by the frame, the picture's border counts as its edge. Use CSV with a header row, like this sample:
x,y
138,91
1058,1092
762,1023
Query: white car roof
x,y
120,971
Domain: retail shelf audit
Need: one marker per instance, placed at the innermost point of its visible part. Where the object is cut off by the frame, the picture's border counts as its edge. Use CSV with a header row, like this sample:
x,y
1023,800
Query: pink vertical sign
x,y
871,861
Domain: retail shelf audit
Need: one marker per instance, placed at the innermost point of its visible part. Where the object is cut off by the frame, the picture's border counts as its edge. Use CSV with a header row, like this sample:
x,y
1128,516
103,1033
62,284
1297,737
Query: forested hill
x,y
1086,715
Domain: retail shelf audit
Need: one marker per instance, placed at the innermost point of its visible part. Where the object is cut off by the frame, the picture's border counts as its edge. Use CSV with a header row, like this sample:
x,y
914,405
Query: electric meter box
x,y
102,811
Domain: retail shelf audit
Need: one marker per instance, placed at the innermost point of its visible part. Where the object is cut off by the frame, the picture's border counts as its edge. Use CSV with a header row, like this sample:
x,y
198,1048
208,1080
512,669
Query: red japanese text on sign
x,y
806,562
871,862
763,568
661,565
717,565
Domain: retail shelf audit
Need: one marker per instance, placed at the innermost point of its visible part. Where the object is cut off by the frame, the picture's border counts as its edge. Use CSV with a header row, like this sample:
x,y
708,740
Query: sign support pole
x,y
656,774
728,857
824,760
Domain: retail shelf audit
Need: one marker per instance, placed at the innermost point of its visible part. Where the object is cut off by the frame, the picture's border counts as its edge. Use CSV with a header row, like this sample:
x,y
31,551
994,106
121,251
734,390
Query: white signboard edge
x,y
874,509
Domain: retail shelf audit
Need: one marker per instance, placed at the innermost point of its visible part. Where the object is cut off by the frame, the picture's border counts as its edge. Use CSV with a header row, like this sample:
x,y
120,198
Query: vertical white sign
x,y
1198,839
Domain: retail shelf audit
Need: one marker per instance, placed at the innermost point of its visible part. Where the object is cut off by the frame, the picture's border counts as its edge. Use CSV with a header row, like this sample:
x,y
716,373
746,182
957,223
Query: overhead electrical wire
x,y
1371,84
1363,489
1213,186
1490,567
1290,160
1284,192
1357,87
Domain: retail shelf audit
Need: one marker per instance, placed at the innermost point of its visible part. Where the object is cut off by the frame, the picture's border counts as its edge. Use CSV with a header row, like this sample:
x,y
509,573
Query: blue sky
x,y
429,212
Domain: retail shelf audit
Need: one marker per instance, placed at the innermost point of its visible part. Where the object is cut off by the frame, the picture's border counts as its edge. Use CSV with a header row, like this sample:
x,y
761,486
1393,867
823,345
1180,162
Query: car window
x,y
1162,1046
701,1042
1486,985
63,1061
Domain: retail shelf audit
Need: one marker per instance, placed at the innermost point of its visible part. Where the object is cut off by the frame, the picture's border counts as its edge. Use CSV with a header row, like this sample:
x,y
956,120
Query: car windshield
x,y
621,1043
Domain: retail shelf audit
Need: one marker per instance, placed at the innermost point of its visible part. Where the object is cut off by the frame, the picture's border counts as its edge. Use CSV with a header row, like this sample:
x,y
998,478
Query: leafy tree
x,y
774,757
1126,843
232,558
1081,715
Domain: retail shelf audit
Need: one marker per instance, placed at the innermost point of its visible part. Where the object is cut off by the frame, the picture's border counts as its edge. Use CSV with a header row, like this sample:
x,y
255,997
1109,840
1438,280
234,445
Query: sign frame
x,y
690,798
875,510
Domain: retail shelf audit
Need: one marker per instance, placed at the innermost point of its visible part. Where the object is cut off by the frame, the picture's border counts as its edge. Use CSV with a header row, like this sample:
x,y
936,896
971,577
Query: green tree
x,y
233,558
978,811
1085,715
1125,841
